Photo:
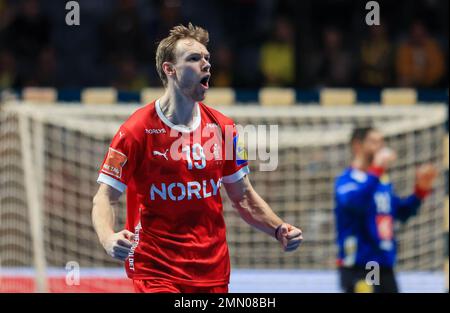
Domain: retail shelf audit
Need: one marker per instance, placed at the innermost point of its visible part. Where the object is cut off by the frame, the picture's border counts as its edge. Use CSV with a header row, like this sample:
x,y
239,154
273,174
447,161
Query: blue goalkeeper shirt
x,y
366,209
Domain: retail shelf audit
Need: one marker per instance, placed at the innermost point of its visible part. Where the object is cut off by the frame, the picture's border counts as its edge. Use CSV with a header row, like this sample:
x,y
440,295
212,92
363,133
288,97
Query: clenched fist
x,y
289,236
425,176
118,245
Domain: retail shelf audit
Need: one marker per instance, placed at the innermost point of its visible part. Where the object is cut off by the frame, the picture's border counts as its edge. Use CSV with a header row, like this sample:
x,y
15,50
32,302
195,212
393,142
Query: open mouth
x,y
205,81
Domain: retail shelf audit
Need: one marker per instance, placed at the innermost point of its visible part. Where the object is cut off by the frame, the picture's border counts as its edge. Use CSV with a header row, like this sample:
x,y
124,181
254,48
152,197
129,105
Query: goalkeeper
x,y
366,208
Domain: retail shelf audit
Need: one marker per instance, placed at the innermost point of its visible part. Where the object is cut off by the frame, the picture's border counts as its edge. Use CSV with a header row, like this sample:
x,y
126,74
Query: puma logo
x,y
161,154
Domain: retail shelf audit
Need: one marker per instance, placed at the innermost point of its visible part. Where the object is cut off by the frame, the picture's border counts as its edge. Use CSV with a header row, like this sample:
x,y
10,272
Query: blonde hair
x,y
166,48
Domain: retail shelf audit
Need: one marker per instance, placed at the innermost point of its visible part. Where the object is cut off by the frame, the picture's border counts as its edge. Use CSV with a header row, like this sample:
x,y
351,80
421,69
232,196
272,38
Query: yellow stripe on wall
x,y
337,97
220,97
40,95
271,96
398,96
99,96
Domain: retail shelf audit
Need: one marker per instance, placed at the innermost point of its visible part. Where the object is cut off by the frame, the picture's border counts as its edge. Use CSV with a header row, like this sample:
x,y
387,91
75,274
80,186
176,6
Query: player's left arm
x,y
409,206
256,212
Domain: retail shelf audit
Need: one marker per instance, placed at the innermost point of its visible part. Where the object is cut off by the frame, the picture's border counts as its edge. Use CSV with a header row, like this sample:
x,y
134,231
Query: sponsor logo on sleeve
x,y
114,163
241,153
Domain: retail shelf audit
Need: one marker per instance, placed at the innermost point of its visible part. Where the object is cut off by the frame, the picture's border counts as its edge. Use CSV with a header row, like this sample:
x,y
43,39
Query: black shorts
x,y
353,280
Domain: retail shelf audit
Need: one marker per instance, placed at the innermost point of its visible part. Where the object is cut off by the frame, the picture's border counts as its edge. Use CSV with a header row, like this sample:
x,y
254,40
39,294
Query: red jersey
x,y
173,174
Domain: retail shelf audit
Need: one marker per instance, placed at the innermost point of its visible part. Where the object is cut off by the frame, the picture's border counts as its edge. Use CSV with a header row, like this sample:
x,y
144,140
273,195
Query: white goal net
x,y
50,155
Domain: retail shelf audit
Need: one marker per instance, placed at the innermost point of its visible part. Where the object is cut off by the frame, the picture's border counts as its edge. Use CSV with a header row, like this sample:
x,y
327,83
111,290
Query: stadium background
x,y
308,66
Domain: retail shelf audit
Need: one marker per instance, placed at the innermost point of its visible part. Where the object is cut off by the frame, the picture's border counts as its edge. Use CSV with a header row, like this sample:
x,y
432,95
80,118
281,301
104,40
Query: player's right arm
x,y
115,172
105,201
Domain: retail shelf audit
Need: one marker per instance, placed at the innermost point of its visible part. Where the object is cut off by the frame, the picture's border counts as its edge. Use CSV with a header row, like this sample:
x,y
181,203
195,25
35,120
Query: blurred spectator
x,y
170,15
333,65
278,55
128,77
376,57
8,73
246,22
46,71
420,60
7,14
251,44
28,34
43,73
121,34
222,62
